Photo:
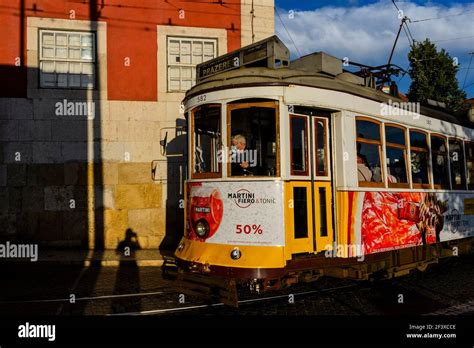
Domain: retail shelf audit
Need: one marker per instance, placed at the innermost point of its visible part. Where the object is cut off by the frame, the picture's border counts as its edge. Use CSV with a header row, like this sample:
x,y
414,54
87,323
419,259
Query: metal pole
x,y
396,40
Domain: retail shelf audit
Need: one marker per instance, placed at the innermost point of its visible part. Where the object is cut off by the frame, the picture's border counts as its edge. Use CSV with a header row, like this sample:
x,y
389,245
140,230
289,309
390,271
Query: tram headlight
x,y
202,228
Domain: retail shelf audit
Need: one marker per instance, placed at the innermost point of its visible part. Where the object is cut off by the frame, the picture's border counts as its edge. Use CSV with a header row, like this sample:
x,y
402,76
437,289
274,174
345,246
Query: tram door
x,y
322,183
309,217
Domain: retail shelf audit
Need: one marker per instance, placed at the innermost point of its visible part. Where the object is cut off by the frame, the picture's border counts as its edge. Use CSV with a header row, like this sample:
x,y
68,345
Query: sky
x,y
364,31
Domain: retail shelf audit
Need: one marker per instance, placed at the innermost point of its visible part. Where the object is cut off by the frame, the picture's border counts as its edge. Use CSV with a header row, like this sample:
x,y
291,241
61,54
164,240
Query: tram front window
x,y
253,139
206,140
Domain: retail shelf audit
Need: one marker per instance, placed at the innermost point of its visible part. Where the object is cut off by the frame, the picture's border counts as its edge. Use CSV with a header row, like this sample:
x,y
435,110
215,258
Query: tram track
x,y
241,302
86,298
163,300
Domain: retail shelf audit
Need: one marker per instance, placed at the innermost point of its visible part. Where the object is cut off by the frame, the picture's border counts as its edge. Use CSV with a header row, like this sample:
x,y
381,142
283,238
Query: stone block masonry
x,y
48,204
59,188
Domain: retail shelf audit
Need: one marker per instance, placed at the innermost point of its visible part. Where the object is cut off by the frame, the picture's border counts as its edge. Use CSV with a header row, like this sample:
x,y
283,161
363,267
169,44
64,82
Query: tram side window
x,y
396,153
470,164
439,157
321,147
456,159
206,139
299,145
419,159
369,149
253,136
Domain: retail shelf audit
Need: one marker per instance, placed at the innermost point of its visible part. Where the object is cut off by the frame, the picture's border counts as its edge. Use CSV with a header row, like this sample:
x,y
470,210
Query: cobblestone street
x,y
44,289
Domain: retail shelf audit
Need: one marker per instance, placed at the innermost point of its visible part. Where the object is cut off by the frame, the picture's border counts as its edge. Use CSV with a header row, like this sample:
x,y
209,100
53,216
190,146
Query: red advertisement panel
x,y
392,220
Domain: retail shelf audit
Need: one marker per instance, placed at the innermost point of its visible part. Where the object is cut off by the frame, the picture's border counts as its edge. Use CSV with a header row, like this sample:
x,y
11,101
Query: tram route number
x,y
249,229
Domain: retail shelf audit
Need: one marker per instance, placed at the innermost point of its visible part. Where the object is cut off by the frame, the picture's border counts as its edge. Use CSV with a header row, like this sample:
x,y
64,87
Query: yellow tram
x,y
301,169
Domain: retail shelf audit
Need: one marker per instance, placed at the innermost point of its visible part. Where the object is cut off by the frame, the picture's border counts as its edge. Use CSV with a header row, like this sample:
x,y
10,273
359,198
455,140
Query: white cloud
x,y
366,33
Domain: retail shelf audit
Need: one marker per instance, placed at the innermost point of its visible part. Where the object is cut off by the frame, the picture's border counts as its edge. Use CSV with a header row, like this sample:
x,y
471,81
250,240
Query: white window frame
x,y
91,83
170,64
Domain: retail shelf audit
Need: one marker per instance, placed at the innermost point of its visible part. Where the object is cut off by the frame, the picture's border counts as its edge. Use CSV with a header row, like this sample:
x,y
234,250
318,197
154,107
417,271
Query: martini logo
x,y
454,218
456,222
243,198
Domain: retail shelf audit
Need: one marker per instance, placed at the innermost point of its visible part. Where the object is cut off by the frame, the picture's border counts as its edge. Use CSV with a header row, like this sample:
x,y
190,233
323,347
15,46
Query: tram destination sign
x,y
220,64
271,53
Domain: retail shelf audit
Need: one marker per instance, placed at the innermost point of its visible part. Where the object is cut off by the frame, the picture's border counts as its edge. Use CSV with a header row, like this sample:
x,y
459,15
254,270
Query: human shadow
x,y
127,279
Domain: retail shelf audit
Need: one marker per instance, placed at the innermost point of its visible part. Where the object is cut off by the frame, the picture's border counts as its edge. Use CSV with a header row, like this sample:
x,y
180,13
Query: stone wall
x,y
59,188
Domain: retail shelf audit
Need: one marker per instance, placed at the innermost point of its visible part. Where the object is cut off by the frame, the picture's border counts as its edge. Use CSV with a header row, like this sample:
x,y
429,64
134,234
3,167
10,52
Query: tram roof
x,y
298,73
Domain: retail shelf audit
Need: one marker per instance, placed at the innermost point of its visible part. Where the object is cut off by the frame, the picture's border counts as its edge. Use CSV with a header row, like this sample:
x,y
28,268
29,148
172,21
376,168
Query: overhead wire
x,y
287,32
408,37
441,17
469,85
394,4
409,32
401,78
456,38
467,71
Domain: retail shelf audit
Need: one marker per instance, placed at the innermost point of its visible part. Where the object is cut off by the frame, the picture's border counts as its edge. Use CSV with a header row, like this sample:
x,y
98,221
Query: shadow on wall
x,y
129,245
176,163
51,185
46,183
95,182
51,180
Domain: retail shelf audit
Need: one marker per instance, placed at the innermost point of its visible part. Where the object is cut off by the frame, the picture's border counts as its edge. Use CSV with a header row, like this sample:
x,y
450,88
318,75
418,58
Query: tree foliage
x,y
433,76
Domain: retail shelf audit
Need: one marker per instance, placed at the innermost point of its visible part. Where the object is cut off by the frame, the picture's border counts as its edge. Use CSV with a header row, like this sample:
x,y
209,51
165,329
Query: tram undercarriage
x,y
223,284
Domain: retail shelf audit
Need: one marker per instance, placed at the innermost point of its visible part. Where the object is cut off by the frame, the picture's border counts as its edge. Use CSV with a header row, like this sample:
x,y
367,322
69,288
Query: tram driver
x,y
239,153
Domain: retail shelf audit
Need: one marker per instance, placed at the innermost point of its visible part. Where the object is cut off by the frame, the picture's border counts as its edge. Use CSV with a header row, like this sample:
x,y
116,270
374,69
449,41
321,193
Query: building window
x,y
456,159
369,153
183,56
299,145
419,159
67,59
470,164
396,154
439,156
